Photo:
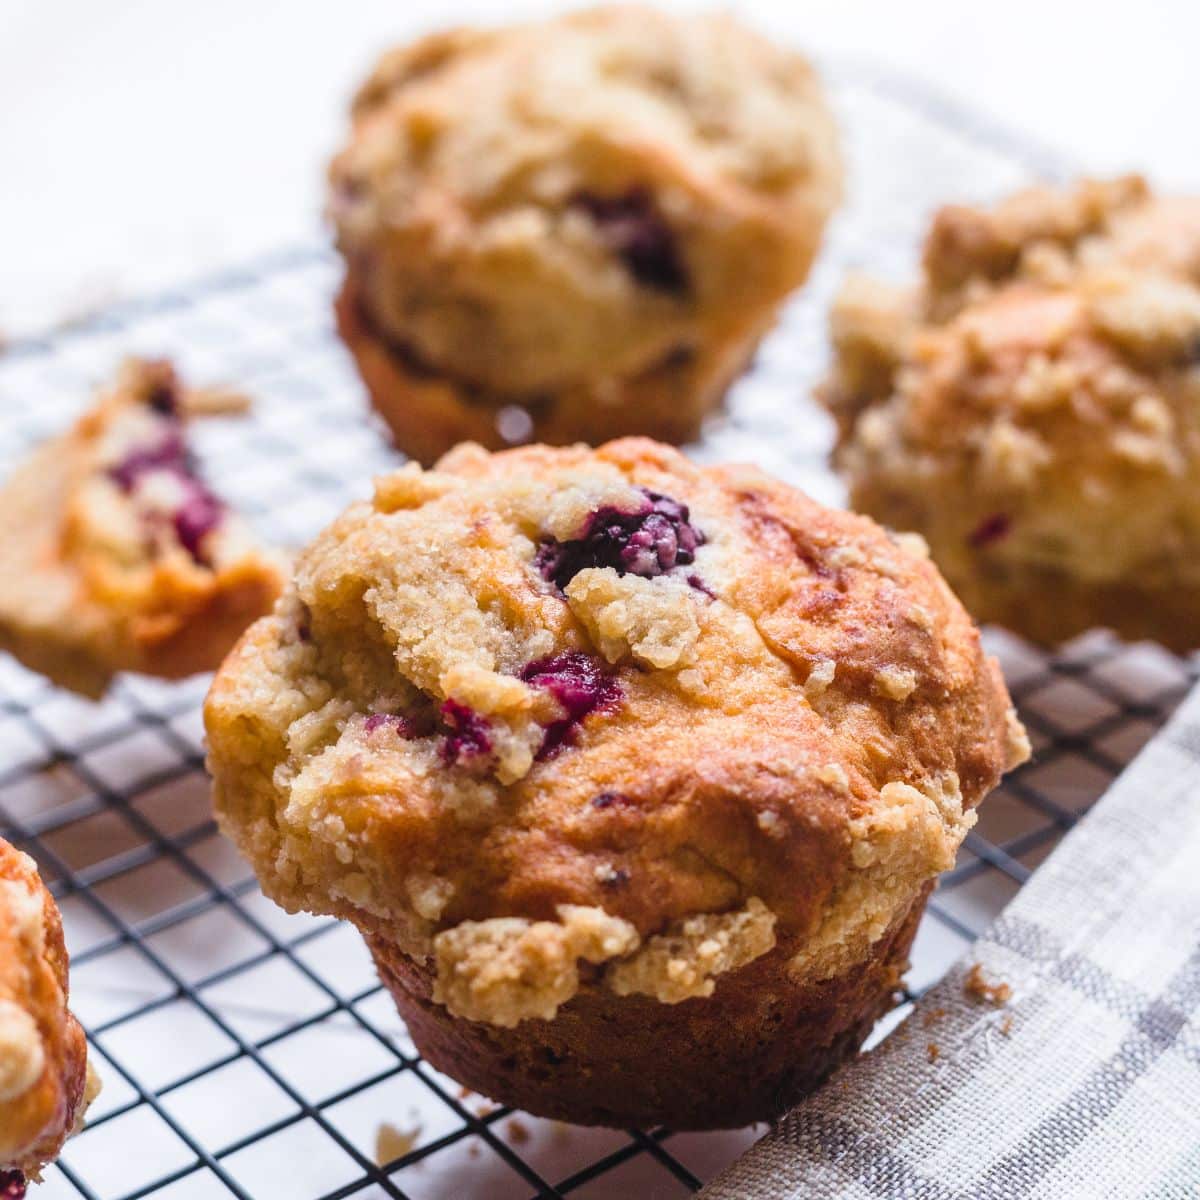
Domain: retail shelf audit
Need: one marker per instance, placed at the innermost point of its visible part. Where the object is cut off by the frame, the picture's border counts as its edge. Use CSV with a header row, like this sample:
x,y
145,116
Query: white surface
x,y
146,141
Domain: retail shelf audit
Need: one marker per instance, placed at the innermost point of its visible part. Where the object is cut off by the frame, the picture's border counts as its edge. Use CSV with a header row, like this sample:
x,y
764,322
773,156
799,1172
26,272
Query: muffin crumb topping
x,y
685,961
507,969
896,683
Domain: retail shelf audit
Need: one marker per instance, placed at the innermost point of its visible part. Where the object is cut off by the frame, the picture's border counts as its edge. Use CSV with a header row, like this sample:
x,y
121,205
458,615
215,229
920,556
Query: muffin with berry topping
x,y
115,555
1032,407
576,229
634,774
45,1078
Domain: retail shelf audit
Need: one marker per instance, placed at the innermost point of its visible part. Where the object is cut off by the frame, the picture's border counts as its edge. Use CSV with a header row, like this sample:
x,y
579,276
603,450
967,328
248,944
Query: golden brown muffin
x,y
1033,409
114,553
634,774
575,229
45,1082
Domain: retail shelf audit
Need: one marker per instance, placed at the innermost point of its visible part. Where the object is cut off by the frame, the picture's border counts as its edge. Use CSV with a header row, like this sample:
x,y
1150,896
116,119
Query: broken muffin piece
x,y
115,555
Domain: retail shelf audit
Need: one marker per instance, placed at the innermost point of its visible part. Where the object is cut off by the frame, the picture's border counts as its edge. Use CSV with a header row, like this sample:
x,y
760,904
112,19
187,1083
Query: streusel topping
x,y
625,753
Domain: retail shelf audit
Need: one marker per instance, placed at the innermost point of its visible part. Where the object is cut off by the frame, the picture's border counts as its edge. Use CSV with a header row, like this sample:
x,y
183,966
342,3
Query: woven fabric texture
x,y
1085,1081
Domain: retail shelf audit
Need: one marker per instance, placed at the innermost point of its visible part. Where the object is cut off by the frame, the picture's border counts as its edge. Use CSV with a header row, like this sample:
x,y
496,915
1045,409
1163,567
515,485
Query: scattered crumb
x,y
769,822
934,1014
895,683
518,1132
1006,1025
934,1051
473,1149
823,673
215,401
606,873
392,1143
465,1093
977,987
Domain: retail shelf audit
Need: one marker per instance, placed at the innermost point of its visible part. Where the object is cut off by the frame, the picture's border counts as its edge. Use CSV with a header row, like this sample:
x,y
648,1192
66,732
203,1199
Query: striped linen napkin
x,y
1061,1059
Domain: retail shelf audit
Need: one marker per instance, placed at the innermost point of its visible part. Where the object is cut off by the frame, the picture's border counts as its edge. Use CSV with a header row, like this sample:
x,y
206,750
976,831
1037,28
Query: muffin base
x,y
748,1053
1049,607
430,413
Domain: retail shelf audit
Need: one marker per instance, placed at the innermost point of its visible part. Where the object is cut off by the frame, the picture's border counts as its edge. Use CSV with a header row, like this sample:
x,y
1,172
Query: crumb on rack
x,y
392,1143
934,1014
1006,1025
934,1051
215,401
978,988
518,1132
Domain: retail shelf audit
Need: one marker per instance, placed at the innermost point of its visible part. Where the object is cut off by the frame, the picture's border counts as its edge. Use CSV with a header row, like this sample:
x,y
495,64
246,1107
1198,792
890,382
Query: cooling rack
x,y
253,1054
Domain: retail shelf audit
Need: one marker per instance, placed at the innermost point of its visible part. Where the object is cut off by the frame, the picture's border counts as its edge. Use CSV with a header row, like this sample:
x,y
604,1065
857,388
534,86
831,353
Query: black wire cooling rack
x,y
250,1053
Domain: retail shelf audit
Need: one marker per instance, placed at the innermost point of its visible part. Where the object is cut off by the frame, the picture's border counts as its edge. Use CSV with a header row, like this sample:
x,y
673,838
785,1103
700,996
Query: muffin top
x,y
1045,374
43,1054
550,705
529,207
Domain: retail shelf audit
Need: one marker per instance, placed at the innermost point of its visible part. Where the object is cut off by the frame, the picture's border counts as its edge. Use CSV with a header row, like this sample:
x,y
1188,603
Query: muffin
x,y
634,774
1032,407
45,1080
575,229
114,553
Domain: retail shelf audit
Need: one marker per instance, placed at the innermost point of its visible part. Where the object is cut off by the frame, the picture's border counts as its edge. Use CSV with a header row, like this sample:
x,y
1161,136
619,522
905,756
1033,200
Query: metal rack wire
x,y
253,1054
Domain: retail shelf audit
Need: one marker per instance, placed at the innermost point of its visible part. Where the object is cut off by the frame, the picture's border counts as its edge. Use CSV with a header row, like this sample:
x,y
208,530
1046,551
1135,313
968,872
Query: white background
x,y
143,141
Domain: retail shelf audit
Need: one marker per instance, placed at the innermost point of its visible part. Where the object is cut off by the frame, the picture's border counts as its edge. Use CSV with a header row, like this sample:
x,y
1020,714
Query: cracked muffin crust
x,y
598,747
575,229
1032,408
116,555
45,1079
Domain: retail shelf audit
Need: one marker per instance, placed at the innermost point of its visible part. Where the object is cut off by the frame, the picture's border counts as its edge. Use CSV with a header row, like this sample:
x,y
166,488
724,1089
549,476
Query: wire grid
x,y
250,1053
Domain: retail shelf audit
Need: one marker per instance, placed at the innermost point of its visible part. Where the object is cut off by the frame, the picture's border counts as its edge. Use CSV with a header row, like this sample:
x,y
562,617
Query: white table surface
x,y
142,141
